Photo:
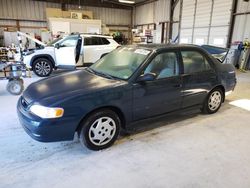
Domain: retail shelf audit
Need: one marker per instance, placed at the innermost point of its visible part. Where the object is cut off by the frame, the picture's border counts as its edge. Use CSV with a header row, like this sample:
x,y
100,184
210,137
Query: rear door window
x,y
88,41
194,62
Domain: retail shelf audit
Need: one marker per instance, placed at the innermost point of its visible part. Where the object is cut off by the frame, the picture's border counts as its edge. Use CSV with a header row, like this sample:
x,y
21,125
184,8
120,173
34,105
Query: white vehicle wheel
x,y
42,67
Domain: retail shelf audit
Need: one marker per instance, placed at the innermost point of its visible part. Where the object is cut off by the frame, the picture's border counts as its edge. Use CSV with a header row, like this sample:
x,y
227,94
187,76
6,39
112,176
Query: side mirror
x,y
147,77
57,45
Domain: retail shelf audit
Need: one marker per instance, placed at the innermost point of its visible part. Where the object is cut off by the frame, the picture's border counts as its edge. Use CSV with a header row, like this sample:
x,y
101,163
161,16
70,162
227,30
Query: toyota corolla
x,y
130,84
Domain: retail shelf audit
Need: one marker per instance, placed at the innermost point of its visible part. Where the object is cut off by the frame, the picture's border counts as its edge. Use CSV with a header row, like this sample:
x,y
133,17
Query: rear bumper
x,y
45,130
228,92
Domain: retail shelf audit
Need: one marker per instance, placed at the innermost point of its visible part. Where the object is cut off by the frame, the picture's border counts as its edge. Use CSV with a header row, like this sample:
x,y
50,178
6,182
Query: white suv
x,y
68,52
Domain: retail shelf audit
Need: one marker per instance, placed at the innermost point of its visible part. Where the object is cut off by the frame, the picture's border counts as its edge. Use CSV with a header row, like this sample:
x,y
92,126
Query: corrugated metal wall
x,y
242,22
108,15
25,9
152,12
35,10
205,22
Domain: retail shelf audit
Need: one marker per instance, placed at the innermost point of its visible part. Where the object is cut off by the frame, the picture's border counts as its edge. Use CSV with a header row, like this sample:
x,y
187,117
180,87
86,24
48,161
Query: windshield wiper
x,y
90,70
105,75
100,73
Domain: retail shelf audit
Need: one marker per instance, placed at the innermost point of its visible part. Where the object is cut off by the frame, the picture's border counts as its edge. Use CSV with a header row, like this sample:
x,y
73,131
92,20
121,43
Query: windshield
x,y
52,43
121,63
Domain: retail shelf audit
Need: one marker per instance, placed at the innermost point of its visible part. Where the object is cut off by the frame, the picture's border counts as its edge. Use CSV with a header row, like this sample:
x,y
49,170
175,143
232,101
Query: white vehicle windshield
x,y
121,63
52,43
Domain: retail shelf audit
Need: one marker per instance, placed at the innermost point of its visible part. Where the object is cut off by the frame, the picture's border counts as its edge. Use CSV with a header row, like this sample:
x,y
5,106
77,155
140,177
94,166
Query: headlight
x,y
46,112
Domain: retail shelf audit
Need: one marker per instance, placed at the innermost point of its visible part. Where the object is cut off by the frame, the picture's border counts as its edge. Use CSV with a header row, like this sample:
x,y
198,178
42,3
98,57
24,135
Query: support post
x,y
232,22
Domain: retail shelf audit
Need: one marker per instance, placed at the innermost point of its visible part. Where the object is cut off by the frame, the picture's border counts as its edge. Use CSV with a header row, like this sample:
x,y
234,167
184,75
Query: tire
x,y
42,67
213,101
105,133
15,87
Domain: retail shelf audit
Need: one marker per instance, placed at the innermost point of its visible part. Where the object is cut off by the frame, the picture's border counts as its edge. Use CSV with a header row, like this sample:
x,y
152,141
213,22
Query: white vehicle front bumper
x,y
27,60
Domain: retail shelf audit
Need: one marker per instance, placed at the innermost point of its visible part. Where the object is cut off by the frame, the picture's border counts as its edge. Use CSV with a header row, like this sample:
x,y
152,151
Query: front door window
x,y
164,65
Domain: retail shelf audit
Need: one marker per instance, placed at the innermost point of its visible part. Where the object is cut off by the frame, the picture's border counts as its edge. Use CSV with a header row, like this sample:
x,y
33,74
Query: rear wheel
x,y
100,130
15,87
42,67
213,102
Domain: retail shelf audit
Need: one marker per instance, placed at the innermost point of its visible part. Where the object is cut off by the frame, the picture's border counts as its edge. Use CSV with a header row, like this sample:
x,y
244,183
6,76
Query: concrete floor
x,y
186,150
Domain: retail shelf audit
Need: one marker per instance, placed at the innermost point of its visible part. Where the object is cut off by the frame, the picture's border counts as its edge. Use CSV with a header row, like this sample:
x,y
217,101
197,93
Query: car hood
x,y
31,38
68,85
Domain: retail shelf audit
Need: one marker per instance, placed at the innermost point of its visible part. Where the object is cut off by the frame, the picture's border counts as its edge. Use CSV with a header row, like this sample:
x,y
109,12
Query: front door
x,y
164,93
66,52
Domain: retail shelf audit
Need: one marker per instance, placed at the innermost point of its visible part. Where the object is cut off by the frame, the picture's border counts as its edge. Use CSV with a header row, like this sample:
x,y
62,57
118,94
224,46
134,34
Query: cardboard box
x,y
58,13
53,13
76,15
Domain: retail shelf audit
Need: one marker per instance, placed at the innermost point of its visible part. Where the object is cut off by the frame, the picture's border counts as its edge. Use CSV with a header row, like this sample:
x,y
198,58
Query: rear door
x,y
95,47
164,93
198,77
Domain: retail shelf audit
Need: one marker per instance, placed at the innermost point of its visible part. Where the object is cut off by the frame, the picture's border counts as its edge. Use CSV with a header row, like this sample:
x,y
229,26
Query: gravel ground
x,y
182,150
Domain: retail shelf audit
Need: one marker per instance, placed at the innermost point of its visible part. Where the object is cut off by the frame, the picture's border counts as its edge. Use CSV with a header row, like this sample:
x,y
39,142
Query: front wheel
x,y
42,67
213,102
15,87
100,130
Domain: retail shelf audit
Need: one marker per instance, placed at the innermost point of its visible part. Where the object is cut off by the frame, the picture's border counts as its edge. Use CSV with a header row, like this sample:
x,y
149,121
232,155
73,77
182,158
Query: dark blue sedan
x,y
130,84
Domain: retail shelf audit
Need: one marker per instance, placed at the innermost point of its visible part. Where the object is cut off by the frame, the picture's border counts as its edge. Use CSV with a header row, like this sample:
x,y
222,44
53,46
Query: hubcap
x,y
214,100
15,88
42,68
102,131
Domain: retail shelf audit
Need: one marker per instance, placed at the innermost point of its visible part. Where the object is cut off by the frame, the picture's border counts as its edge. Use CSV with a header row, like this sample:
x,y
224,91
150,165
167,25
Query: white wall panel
x,y
152,12
144,14
186,36
219,34
241,28
197,16
161,11
200,36
221,12
242,22
203,12
243,6
188,14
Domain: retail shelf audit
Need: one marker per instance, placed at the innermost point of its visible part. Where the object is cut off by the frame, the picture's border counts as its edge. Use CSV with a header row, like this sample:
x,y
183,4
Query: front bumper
x,y
45,130
27,61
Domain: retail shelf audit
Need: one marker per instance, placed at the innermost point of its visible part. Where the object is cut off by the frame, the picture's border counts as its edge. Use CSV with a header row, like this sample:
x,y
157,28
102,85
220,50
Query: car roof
x,y
96,35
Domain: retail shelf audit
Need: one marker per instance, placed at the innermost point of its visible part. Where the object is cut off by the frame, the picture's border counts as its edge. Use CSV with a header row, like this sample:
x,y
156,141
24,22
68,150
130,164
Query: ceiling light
x,y
127,1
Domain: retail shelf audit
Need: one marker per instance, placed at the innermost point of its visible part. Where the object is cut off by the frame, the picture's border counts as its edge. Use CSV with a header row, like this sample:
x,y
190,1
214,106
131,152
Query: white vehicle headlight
x,y
46,112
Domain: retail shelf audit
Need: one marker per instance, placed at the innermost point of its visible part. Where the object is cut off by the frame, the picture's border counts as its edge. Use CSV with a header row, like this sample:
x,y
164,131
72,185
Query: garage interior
x,y
183,149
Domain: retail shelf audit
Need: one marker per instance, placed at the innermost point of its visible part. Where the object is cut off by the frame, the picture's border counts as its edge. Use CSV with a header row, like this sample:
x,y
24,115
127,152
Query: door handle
x,y
178,85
